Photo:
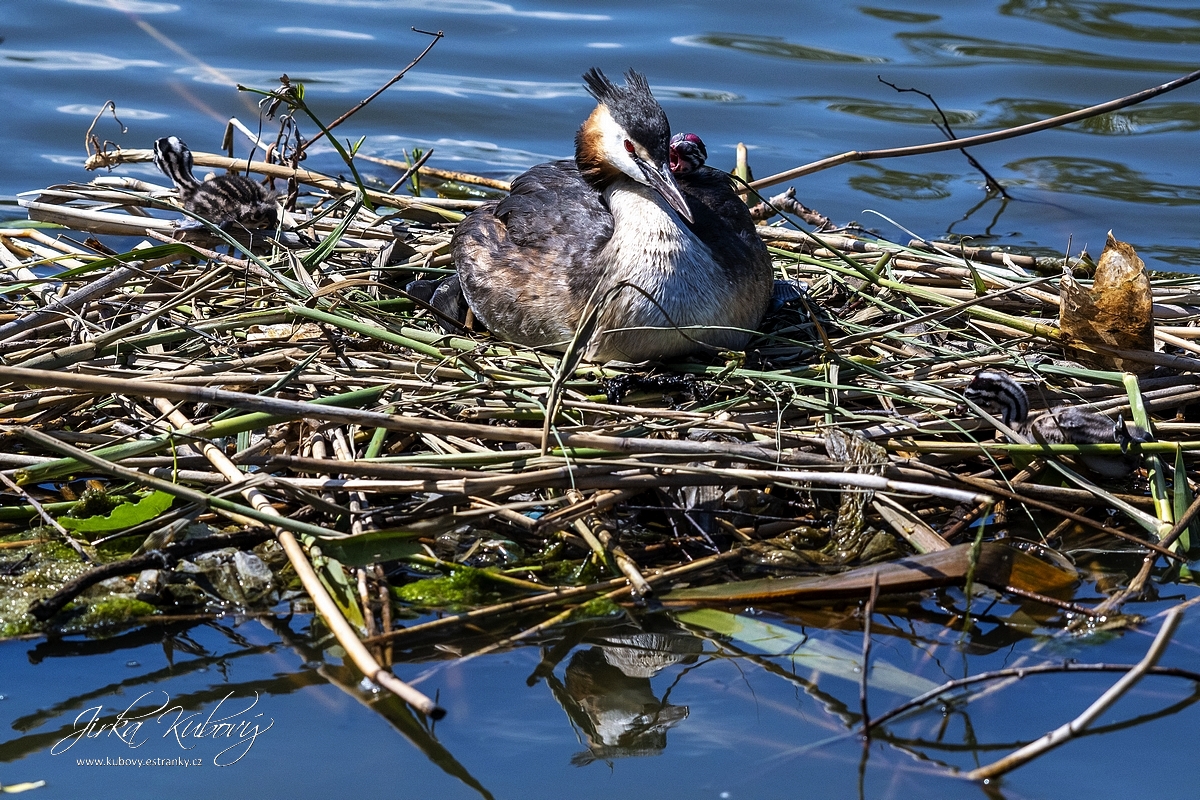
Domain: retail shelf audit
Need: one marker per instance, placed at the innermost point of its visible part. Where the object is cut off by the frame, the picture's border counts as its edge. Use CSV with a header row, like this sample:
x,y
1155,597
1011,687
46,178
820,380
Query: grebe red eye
x,y
628,146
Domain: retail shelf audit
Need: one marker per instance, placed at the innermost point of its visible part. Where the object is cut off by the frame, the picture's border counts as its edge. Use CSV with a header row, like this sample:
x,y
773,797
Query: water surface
x,y
794,81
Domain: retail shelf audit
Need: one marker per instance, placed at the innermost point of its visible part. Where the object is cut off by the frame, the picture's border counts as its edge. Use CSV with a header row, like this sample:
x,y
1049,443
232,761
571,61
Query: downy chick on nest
x,y
998,393
224,200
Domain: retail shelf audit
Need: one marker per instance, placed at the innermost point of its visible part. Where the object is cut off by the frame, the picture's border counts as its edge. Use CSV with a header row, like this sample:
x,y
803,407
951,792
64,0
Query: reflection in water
x,y
1107,179
774,46
607,694
950,48
1159,117
68,59
1112,20
891,112
895,184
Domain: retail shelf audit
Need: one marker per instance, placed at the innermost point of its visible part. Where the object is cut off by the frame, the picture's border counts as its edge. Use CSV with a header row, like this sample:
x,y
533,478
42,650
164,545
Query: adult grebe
x,y
224,200
608,228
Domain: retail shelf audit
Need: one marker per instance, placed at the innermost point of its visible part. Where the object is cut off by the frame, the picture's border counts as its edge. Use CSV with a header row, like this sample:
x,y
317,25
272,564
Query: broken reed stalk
x,y
346,635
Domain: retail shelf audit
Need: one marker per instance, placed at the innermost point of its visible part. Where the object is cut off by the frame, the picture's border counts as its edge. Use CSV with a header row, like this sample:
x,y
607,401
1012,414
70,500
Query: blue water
x,y
794,81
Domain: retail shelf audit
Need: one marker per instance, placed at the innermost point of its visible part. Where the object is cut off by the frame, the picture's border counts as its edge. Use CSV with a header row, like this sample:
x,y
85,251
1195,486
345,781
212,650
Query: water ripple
x,y
458,7
951,48
85,110
328,33
357,80
1113,20
894,184
1107,179
1157,118
68,59
773,46
883,111
129,6
394,147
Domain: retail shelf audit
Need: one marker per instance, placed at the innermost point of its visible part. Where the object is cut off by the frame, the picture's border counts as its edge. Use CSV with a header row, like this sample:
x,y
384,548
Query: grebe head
x,y
628,134
174,158
688,153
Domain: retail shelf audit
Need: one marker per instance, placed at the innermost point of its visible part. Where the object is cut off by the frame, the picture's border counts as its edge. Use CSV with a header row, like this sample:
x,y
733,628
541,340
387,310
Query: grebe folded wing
x,y
524,260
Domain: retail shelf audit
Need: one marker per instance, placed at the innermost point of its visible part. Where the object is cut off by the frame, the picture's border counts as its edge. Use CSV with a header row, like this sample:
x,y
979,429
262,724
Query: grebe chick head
x,y
174,158
998,393
627,135
688,153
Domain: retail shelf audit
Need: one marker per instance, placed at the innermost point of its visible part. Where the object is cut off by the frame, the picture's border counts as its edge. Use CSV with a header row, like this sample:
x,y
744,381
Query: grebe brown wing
x,y
526,261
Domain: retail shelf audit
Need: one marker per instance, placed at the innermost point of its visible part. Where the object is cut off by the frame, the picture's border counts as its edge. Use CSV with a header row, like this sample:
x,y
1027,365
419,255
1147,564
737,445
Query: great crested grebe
x,y
225,200
996,391
609,228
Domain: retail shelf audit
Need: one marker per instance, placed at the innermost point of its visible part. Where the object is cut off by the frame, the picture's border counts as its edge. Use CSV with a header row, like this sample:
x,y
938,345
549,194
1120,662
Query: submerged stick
x,y
1078,725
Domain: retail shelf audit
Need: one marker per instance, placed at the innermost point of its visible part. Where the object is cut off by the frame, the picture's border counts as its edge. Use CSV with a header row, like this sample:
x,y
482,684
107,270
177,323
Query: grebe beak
x,y
662,181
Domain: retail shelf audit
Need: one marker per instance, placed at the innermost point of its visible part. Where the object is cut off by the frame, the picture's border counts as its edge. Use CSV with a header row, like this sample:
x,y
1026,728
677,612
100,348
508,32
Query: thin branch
x,y
1076,726
436,38
993,185
984,138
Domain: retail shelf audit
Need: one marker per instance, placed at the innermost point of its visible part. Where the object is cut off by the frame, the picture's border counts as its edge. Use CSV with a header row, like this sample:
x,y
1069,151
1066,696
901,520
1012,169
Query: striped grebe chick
x,y
997,392
610,227
721,219
224,200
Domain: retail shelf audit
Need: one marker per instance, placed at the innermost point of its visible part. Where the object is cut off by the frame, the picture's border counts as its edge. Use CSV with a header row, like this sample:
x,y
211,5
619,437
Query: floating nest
x,y
176,405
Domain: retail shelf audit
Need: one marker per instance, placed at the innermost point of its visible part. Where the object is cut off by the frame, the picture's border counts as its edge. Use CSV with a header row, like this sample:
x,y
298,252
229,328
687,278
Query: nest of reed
x,y
397,451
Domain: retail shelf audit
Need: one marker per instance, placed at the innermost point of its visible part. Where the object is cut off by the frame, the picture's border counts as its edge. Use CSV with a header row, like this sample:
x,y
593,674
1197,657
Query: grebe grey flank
x,y
224,200
610,227
996,391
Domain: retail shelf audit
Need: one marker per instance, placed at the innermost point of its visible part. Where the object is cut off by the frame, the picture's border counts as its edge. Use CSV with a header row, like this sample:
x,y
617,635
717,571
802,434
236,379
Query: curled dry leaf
x,y
1116,312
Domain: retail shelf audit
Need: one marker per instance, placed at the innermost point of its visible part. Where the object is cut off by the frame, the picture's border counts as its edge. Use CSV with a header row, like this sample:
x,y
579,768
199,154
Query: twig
x,y
49,520
992,184
1076,726
362,103
411,170
984,138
